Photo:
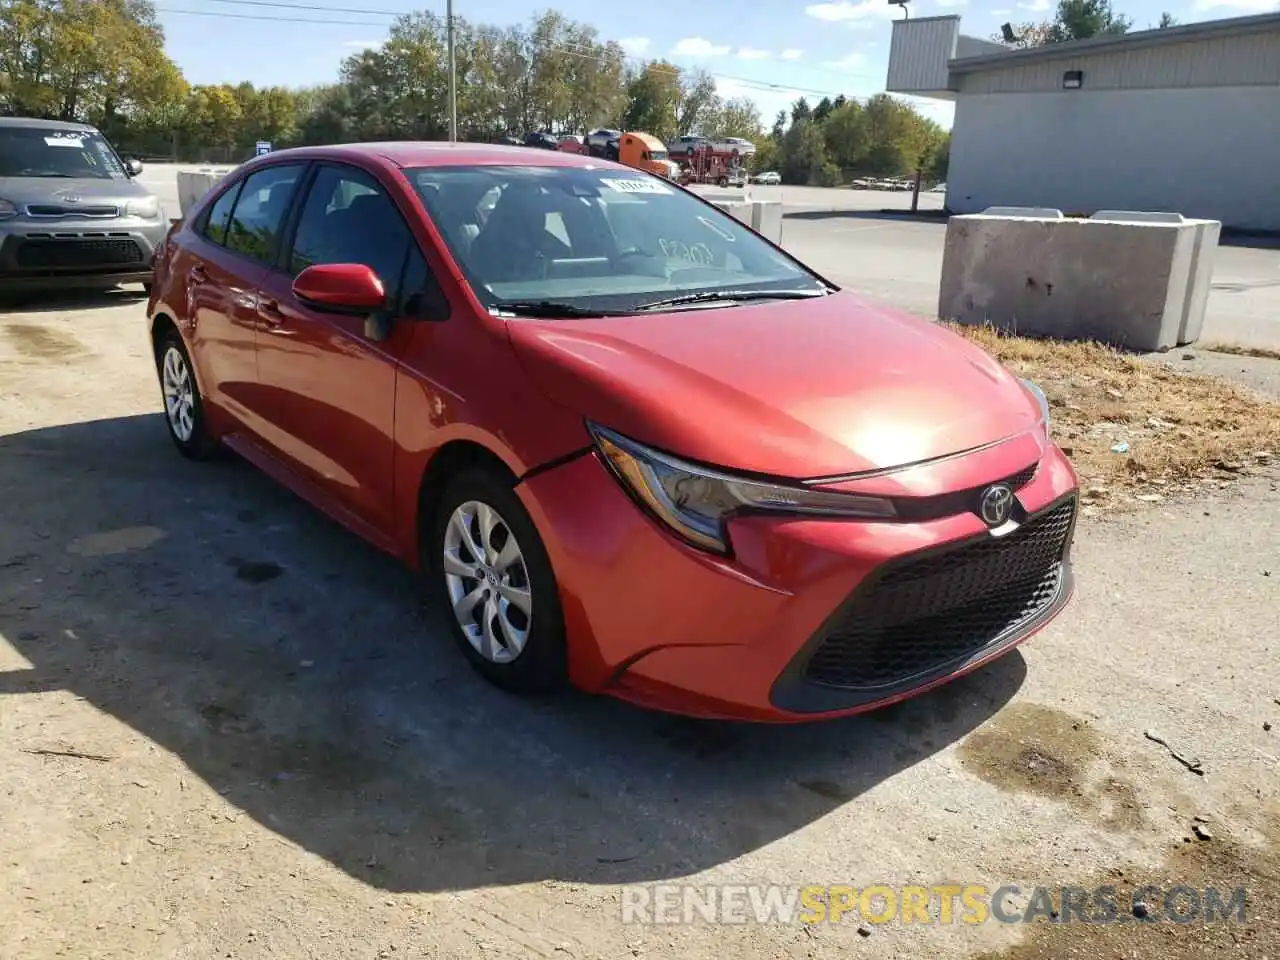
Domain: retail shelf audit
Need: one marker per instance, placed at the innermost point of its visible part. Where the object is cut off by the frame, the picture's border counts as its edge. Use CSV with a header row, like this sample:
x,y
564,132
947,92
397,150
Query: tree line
x,y
1075,20
103,61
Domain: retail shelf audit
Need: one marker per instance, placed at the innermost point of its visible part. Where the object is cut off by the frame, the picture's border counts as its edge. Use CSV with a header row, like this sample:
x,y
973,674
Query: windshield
x,y
659,154
605,240
53,152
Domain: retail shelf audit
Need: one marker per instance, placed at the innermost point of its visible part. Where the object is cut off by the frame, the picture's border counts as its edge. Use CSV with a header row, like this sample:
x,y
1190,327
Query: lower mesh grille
x,y
920,616
104,252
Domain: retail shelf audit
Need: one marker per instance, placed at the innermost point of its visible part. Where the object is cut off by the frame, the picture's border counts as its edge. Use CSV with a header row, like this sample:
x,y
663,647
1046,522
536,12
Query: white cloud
x,y
1002,12
849,63
1036,5
634,46
698,47
842,11
751,53
1253,6
952,3
791,53
363,44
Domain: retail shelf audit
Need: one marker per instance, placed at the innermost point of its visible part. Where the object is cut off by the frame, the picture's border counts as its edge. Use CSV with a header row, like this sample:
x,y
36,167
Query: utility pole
x,y
453,78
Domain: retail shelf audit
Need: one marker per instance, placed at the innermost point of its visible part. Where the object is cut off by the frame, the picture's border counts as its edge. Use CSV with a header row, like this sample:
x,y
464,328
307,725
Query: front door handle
x,y
197,274
269,310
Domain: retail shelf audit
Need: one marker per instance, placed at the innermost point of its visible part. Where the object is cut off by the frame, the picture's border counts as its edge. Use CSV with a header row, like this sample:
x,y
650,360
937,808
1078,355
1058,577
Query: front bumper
x,y
811,618
79,253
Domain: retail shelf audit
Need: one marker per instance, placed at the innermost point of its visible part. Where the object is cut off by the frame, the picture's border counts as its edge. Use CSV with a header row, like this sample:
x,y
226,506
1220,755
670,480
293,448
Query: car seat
x,y
514,243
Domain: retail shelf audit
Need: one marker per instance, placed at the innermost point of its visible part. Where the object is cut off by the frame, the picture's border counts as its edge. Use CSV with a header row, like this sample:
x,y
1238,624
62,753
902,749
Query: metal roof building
x,y
1183,119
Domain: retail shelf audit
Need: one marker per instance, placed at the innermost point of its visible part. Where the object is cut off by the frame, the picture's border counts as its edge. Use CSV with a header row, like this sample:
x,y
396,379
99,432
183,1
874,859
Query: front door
x,y
328,389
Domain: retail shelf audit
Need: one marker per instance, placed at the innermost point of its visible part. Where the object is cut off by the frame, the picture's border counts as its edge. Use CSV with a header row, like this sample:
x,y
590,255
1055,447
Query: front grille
x,y
103,252
921,509
76,210
923,616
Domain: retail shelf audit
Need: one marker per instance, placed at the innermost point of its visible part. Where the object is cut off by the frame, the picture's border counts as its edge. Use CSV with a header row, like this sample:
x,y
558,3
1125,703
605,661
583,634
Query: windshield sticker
x,y
635,186
699,253
66,140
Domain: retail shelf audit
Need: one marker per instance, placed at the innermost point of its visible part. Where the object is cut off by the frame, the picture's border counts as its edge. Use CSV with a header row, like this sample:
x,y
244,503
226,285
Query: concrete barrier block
x,y
1034,213
1137,216
193,185
1207,235
762,216
1123,283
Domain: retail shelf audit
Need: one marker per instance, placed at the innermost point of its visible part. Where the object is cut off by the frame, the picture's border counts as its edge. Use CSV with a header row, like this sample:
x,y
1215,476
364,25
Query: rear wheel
x,y
493,576
183,406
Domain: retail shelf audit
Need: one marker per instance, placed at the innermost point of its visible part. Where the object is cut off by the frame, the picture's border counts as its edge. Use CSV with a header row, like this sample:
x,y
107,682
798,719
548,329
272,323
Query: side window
x,y
419,293
215,224
348,218
260,211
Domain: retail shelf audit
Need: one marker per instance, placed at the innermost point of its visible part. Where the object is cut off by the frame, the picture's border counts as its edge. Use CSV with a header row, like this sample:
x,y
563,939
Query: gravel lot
x,y
292,760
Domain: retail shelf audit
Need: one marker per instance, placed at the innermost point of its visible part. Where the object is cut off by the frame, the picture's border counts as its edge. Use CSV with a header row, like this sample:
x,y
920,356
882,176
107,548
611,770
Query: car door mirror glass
x,y
351,288
134,166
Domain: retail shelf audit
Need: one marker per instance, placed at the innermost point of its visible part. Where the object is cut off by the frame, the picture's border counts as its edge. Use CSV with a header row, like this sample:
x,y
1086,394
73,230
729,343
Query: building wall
x,y
1211,152
918,53
1229,61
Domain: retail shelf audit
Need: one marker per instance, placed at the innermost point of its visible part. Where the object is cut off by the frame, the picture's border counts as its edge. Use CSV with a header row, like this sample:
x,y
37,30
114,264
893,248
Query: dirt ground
x,y
229,729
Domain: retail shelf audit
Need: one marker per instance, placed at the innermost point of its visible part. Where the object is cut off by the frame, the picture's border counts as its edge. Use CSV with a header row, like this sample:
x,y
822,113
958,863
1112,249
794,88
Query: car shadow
x,y
57,301
294,669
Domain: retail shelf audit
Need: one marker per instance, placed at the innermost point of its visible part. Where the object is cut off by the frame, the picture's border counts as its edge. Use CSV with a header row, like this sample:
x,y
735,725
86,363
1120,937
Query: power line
x,y
250,16
750,82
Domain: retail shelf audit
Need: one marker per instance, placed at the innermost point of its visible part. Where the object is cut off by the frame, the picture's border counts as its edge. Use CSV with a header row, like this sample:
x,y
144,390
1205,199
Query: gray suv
x,y
71,213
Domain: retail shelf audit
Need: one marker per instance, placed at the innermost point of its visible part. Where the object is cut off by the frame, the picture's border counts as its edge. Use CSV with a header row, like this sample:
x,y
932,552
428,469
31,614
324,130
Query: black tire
x,y
540,667
200,445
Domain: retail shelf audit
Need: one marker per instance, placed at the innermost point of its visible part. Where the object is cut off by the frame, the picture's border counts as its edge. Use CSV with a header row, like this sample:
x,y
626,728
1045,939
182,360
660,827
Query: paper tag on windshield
x,y
71,141
635,186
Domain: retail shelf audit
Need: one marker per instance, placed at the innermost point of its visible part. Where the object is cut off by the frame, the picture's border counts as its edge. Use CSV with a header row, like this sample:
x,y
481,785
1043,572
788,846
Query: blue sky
x,y
773,53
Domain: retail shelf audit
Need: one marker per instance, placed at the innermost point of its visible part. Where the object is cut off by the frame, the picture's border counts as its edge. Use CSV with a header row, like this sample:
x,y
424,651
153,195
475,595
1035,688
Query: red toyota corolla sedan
x,y
630,444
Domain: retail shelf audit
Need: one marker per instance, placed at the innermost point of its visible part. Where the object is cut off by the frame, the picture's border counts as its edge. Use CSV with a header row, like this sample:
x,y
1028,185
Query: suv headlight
x,y
147,208
1035,391
8,209
695,501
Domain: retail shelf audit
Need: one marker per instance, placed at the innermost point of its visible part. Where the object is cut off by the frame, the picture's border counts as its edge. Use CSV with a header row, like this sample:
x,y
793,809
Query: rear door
x,y
330,388
230,253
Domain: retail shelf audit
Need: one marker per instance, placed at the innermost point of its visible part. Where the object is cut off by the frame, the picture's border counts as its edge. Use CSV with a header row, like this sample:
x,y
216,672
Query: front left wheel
x,y
493,576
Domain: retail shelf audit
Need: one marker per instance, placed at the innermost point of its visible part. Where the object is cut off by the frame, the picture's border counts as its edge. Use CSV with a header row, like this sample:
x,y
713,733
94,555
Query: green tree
x,y
653,101
1082,19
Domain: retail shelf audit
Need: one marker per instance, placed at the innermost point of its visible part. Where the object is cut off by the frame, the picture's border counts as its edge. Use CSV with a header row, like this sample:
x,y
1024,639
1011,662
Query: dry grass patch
x,y
1136,429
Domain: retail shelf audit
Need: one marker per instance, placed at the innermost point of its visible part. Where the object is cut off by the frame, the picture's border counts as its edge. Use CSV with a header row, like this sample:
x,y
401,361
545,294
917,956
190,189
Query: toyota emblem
x,y
996,504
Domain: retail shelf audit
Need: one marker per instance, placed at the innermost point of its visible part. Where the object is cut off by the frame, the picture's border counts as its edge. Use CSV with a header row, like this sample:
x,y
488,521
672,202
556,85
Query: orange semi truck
x,y
640,150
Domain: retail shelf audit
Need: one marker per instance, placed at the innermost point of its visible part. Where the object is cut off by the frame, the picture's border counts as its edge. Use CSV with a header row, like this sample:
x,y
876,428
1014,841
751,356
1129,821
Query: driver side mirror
x,y
352,289
134,166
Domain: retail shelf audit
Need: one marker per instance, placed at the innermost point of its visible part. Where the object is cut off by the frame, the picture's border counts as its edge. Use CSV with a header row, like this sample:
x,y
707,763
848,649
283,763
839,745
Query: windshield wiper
x,y
552,308
713,296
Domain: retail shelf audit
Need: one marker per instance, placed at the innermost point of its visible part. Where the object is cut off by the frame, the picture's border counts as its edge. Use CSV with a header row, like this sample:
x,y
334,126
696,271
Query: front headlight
x,y
8,209
1036,392
696,501
148,208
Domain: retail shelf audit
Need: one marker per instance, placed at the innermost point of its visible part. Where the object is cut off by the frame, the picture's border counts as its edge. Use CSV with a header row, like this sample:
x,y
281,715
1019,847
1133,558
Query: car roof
x,y
434,153
45,124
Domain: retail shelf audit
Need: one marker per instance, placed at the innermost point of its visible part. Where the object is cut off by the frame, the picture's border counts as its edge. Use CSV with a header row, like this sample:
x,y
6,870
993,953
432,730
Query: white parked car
x,y
768,177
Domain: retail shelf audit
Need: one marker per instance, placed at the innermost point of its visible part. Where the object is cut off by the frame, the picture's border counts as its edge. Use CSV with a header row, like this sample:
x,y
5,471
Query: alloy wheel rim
x,y
487,581
179,394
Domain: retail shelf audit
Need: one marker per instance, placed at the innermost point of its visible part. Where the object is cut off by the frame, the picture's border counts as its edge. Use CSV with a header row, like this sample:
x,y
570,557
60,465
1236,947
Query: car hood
x,y
24,190
803,389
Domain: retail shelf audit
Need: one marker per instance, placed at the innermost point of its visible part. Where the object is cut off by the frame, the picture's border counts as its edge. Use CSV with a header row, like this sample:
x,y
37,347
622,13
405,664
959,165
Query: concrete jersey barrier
x,y
762,216
194,184
1135,280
